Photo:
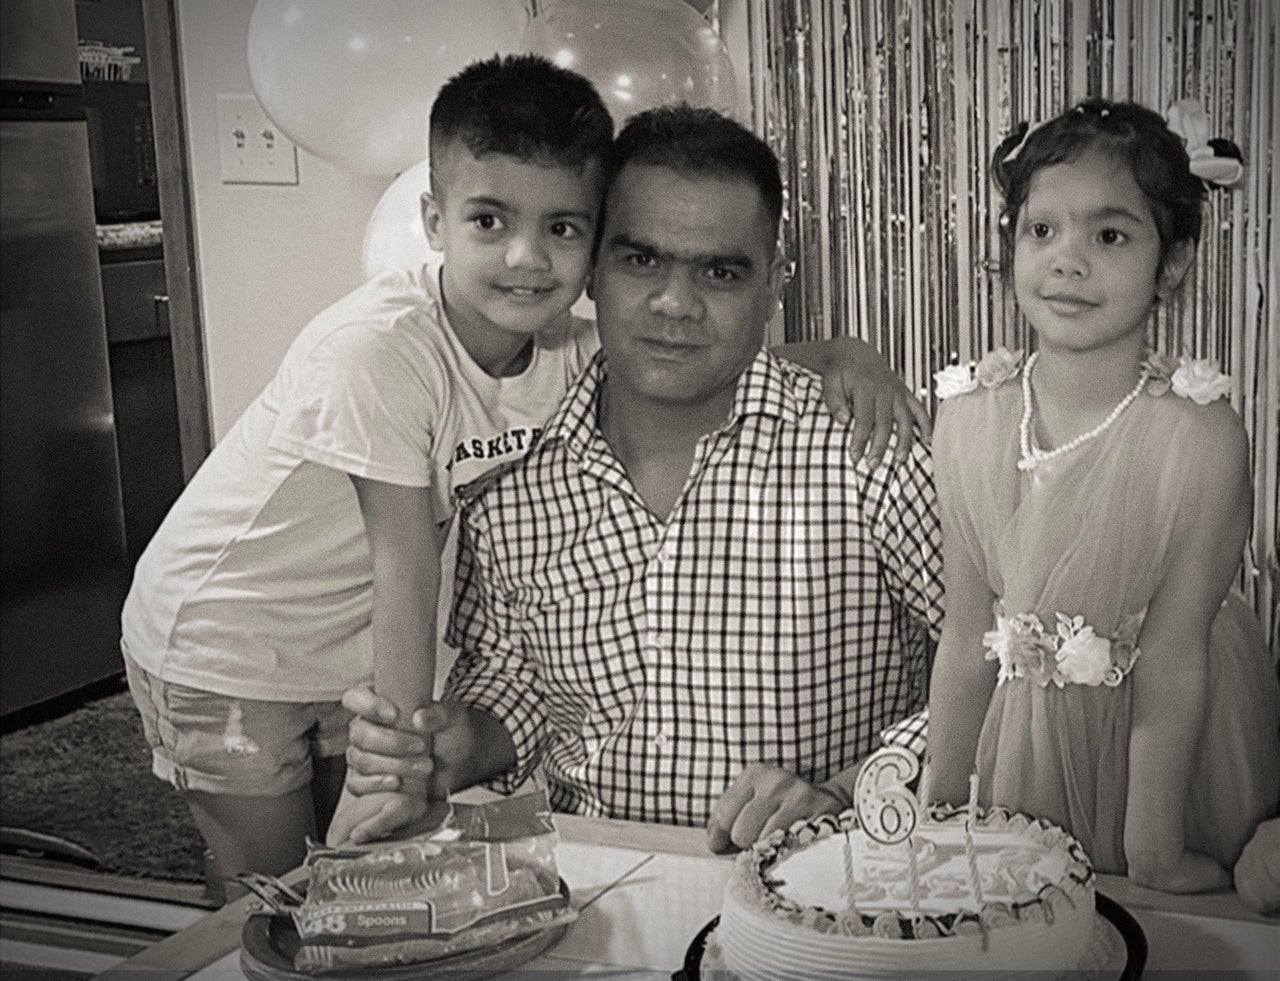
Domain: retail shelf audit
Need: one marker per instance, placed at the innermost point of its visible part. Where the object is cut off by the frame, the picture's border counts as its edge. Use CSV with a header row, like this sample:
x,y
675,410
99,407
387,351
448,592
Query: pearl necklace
x,y
1032,454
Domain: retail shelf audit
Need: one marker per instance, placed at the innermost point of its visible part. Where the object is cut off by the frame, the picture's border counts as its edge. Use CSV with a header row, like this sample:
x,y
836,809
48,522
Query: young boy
x,y
305,554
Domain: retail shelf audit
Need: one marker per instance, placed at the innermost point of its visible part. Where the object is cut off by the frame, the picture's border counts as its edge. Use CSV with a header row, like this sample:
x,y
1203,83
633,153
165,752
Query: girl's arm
x,y
405,546
1170,677
857,381
962,680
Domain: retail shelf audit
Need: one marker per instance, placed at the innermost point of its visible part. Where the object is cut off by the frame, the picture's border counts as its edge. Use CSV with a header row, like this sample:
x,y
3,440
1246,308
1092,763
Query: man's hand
x,y
451,746
761,798
857,382
1257,872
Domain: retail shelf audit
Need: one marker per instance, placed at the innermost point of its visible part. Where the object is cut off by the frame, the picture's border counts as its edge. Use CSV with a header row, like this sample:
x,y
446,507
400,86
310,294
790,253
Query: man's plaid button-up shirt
x,y
784,612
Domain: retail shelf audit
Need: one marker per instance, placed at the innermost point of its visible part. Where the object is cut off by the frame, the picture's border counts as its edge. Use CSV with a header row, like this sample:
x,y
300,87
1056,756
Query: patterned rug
x,y
85,778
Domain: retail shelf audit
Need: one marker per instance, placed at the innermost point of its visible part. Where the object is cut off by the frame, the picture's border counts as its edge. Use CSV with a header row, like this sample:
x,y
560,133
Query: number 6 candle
x,y
887,811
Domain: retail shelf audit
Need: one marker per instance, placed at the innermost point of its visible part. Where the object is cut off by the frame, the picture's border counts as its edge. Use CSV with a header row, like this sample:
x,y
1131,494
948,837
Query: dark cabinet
x,y
143,391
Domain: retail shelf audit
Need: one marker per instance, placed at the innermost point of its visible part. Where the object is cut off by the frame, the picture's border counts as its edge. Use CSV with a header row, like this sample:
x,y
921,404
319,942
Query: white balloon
x,y
395,237
352,81
639,53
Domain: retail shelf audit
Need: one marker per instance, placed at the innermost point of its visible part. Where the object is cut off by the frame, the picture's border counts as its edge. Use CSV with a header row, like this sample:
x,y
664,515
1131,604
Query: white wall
x,y
272,256
269,256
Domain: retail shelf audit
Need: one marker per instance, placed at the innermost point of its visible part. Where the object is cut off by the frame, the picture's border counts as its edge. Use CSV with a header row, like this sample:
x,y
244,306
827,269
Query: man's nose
x,y
676,297
526,251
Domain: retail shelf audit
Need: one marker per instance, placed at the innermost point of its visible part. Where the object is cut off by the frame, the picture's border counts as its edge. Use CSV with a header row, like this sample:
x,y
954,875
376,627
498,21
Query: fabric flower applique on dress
x,y
956,379
998,367
1198,379
1072,654
995,368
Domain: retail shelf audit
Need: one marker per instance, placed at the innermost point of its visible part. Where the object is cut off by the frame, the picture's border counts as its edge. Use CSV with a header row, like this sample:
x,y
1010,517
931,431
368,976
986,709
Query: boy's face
x,y
516,238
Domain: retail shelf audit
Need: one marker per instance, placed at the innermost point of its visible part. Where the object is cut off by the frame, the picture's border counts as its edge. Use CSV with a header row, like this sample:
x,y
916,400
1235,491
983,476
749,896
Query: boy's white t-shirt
x,y
258,584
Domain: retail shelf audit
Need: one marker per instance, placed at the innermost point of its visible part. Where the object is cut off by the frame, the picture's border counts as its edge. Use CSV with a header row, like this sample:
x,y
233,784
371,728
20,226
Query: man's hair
x,y
697,141
521,106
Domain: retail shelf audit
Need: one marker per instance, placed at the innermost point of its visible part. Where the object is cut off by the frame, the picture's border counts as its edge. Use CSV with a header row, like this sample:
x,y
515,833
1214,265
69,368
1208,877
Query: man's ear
x,y
432,215
591,284
1176,265
780,272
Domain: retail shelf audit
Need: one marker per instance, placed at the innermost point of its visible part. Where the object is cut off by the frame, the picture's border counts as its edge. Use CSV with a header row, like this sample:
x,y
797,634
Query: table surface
x,y
643,891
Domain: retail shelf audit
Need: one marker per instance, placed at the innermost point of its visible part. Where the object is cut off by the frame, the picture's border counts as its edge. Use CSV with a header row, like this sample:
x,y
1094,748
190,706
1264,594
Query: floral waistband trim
x,y
1071,654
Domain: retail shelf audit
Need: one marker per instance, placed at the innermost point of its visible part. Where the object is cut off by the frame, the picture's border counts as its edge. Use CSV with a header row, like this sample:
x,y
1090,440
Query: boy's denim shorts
x,y
238,746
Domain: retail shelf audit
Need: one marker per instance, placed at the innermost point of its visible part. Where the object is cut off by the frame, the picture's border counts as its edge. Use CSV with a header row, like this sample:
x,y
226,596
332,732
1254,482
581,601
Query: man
x,y
685,586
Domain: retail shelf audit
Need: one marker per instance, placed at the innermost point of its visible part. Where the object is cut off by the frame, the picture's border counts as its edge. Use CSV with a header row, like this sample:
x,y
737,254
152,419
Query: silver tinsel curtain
x,y
885,114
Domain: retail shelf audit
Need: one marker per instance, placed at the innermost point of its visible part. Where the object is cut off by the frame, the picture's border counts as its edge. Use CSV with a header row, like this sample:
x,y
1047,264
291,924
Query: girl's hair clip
x,y
1218,162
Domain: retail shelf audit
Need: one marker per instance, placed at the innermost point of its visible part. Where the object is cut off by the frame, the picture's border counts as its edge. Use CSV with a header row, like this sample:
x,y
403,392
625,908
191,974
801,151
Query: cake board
x,y
1119,947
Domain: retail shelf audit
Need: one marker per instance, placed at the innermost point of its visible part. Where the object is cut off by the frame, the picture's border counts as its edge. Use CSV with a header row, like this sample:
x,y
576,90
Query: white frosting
x,y
1009,868
787,917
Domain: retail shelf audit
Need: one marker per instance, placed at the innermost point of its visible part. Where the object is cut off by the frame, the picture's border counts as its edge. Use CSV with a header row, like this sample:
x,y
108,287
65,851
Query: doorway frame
x,y
181,272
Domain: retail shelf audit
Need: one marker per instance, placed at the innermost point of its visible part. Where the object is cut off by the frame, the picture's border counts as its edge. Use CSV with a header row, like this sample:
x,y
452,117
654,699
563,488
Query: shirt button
x,y
654,641
661,740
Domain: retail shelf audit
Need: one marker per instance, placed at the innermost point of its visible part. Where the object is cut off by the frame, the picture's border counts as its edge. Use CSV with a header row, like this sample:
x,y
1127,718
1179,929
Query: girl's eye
x,y
1112,236
565,230
1038,229
487,223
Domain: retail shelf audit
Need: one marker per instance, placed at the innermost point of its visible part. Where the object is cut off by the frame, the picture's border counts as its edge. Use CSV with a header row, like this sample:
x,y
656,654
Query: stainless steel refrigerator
x,y
62,543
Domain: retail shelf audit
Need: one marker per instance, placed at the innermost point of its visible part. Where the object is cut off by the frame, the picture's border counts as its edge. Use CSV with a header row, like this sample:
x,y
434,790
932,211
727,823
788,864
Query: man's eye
x,y
640,260
486,223
1112,236
565,230
722,274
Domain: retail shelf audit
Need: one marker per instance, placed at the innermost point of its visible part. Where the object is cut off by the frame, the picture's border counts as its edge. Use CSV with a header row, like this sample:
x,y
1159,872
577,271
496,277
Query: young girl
x,y
1098,499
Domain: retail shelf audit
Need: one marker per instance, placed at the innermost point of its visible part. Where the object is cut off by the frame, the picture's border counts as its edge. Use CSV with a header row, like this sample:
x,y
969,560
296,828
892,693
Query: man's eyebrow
x,y
739,260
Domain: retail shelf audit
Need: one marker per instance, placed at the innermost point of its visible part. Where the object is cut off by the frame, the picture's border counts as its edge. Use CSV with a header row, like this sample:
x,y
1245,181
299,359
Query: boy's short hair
x,y
521,106
696,140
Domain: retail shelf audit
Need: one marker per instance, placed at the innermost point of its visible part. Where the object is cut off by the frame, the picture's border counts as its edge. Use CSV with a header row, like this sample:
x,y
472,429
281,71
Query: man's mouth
x,y
665,347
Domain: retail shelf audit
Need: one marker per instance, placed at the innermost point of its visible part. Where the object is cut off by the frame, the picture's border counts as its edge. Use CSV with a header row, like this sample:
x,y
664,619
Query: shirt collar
x,y
763,389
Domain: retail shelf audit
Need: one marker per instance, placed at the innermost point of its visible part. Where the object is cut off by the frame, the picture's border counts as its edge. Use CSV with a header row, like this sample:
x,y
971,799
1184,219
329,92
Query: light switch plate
x,y
251,148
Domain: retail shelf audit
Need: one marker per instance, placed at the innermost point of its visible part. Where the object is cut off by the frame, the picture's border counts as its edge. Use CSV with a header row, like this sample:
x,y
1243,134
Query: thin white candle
x,y
971,853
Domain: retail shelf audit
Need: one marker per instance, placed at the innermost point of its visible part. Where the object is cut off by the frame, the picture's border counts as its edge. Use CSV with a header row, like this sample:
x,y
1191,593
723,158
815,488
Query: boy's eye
x,y
1038,229
486,222
1112,236
565,230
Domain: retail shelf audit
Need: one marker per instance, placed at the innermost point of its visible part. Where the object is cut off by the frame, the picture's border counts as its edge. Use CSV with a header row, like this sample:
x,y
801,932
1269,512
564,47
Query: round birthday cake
x,y
972,892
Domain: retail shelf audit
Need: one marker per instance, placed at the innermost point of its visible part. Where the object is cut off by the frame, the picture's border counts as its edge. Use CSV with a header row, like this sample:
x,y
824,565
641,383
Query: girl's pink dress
x,y
1087,534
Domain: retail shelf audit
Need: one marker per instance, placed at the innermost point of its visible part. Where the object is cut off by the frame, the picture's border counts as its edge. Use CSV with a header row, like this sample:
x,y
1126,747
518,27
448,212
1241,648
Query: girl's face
x,y
1087,254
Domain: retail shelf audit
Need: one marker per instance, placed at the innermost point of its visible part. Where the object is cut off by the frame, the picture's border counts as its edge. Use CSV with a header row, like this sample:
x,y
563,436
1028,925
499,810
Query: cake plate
x,y
1123,958
269,941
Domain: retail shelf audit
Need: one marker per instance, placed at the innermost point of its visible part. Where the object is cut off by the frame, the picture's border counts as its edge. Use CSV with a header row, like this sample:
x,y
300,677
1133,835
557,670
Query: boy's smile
x,y
516,238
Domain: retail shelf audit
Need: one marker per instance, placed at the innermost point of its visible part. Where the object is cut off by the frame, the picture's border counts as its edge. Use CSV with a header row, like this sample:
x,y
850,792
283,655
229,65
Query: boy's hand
x,y
762,798
372,817
858,382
